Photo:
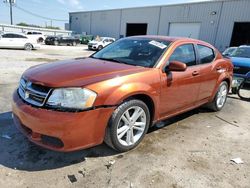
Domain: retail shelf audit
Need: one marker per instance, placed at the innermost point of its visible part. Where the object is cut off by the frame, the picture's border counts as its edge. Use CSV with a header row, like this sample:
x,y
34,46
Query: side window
x,y
18,36
185,54
7,36
207,54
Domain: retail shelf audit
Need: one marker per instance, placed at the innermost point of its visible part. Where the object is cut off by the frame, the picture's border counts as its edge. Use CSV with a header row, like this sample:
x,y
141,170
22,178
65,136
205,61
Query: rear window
x,y
207,54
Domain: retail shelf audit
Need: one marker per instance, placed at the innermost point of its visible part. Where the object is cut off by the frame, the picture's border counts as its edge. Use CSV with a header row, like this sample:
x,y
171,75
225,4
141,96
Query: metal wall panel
x,y
80,22
232,11
205,13
216,18
141,15
106,23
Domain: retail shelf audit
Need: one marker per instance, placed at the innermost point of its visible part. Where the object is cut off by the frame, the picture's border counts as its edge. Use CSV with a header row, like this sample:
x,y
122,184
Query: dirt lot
x,y
191,150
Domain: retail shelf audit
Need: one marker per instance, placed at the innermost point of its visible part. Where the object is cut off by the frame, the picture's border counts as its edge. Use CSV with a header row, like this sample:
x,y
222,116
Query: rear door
x,y
179,90
18,41
209,72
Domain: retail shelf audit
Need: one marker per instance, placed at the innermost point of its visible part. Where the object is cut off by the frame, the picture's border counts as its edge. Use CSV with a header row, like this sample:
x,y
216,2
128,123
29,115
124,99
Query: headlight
x,y
72,98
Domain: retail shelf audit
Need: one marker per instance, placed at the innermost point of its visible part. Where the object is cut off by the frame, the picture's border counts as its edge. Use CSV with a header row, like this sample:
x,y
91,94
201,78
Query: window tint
x,y
206,54
185,54
7,36
13,36
18,36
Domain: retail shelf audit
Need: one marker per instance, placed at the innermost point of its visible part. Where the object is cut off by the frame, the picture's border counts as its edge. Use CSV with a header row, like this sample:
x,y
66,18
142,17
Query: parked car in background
x,y
38,36
85,39
116,94
229,51
61,40
100,42
241,61
17,40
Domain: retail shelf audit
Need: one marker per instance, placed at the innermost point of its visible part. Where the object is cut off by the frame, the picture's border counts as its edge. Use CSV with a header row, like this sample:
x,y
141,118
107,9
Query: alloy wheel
x,y
222,96
131,126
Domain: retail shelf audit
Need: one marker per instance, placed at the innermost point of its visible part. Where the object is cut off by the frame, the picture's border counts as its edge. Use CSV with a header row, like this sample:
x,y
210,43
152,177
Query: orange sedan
x,y
116,94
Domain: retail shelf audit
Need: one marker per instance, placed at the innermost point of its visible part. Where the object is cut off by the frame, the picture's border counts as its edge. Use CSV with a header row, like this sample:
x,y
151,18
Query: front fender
x,y
130,89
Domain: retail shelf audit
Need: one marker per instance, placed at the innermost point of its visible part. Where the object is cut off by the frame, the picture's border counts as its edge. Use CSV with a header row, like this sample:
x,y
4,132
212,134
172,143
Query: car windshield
x,y
229,51
242,52
134,51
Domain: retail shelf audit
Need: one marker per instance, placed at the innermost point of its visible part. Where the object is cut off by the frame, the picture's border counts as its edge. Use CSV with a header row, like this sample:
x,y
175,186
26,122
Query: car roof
x,y
245,46
13,33
171,39
107,38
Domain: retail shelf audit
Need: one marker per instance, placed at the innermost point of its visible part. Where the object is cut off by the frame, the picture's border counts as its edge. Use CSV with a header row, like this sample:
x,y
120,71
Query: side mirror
x,y
177,66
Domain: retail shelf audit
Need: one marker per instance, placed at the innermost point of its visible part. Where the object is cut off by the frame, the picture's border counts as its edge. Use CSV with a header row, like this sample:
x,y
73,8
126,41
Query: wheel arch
x,y
147,100
223,78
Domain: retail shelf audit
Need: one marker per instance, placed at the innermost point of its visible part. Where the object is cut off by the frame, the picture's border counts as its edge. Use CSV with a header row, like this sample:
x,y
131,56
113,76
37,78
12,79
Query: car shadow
x,y
20,154
175,119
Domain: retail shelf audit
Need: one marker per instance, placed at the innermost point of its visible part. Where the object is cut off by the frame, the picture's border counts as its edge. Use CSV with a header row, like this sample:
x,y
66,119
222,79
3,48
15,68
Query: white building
x,y
222,23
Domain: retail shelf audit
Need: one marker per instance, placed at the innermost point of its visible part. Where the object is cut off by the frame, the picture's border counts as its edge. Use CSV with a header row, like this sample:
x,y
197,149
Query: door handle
x,y
195,73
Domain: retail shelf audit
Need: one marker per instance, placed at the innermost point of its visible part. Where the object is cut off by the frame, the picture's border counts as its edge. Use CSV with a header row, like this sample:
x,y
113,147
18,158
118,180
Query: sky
x,y
59,9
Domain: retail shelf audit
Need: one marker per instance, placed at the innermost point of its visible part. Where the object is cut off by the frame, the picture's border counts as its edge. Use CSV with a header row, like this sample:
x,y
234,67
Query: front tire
x,y
100,47
128,125
220,98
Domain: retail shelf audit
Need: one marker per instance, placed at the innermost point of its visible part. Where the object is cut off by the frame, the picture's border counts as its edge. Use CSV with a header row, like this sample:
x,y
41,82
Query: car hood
x,y
240,61
94,42
78,72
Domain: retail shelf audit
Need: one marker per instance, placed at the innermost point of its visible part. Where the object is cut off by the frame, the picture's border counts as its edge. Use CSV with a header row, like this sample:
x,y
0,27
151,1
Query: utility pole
x,y
11,18
11,2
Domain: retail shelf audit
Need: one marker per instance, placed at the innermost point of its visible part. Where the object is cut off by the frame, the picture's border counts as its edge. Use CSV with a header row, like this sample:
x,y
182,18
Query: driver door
x,y
179,90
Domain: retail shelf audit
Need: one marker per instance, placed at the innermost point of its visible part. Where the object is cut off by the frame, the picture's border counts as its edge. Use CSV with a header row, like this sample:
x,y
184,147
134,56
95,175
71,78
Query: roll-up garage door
x,y
190,30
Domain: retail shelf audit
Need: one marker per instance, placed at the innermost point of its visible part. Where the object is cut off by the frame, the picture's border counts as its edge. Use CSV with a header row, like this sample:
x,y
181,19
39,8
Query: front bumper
x,y
73,131
92,47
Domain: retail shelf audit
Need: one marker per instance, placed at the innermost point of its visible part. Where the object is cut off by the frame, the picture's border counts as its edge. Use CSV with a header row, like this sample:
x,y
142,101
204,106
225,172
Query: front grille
x,y
32,93
241,70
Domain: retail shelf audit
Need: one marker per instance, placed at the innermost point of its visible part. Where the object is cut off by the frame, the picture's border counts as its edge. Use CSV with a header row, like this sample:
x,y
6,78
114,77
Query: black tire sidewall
x,y
238,92
99,47
115,120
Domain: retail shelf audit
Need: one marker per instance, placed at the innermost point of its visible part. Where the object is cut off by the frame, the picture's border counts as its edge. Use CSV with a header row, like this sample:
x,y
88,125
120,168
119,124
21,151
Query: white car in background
x,y
100,42
17,41
34,35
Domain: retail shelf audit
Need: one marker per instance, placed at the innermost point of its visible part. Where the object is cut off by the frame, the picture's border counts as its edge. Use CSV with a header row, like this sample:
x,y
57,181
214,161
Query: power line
x,y
37,15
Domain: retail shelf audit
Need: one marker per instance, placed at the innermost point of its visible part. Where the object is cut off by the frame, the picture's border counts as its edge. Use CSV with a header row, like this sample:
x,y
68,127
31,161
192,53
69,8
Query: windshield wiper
x,y
114,60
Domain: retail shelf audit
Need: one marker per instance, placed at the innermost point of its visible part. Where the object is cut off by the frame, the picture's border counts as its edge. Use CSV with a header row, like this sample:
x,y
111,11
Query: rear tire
x,y
40,40
243,91
74,43
220,98
28,47
128,125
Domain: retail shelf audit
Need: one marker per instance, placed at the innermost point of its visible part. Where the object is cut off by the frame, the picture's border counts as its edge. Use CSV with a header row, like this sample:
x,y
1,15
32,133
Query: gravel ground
x,y
190,150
